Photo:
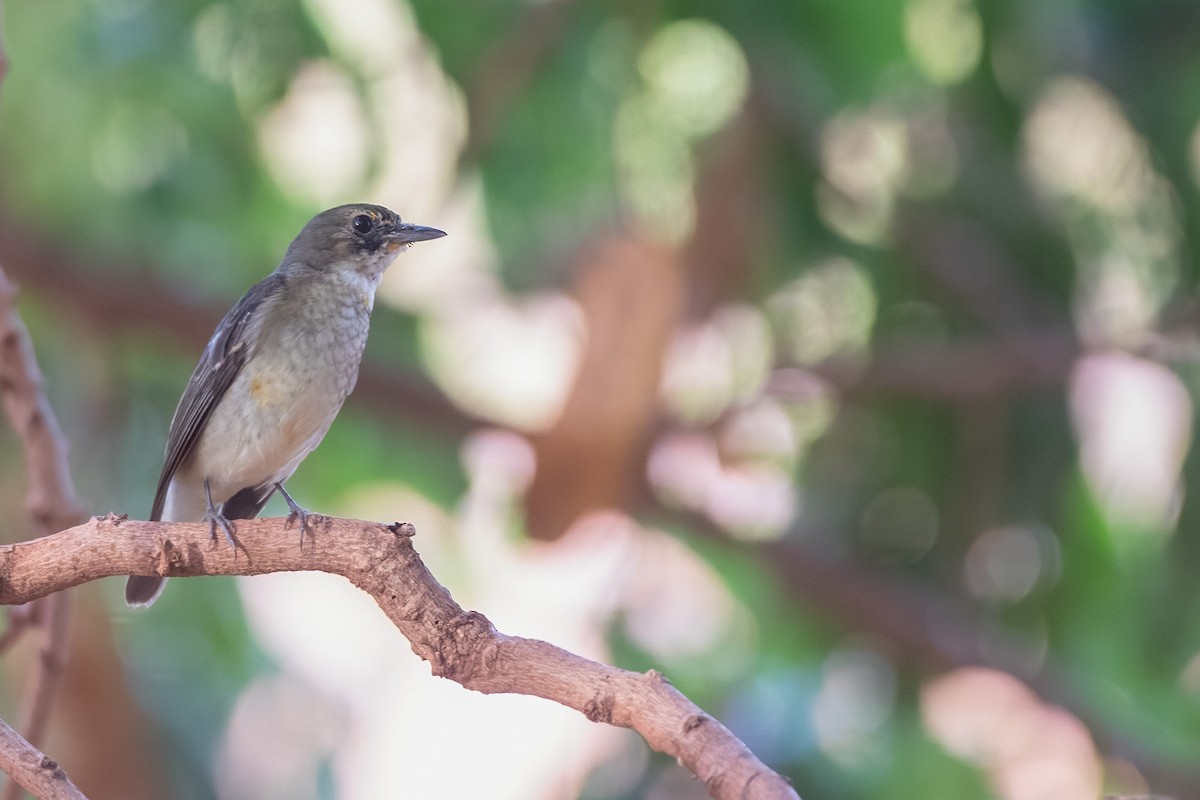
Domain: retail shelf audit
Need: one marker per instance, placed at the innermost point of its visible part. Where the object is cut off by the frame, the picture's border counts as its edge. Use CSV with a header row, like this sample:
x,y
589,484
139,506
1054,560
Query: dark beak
x,y
407,232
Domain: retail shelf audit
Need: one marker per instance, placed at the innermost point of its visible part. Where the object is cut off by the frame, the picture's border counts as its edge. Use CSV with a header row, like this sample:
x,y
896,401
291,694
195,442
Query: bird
x,y
274,376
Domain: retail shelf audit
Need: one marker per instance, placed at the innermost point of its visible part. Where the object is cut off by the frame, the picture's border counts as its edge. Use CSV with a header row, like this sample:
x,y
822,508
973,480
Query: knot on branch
x,y
170,558
600,707
403,529
465,649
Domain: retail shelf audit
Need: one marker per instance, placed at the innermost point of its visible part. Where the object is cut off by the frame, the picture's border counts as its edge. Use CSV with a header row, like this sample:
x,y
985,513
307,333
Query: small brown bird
x,y
274,375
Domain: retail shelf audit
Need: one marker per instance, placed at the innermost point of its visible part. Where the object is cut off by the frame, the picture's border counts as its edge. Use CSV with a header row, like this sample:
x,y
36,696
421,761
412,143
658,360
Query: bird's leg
x,y
214,518
297,513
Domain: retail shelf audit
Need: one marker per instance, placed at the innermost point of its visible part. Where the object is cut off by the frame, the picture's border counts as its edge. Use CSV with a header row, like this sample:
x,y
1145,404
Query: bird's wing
x,y
231,346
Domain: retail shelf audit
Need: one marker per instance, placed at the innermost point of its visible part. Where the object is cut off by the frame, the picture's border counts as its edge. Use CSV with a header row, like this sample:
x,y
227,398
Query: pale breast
x,y
290,390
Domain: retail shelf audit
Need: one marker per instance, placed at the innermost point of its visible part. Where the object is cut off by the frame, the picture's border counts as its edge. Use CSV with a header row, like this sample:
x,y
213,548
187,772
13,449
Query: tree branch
x,y
51,502
459,645
20,619
32,769
961,372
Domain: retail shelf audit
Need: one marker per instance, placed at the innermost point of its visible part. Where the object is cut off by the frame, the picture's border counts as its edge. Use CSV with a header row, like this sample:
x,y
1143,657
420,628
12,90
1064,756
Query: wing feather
x,y
230,347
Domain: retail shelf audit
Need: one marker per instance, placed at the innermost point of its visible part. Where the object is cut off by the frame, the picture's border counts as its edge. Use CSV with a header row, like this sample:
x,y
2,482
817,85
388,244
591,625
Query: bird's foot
x,y
214,518
296,513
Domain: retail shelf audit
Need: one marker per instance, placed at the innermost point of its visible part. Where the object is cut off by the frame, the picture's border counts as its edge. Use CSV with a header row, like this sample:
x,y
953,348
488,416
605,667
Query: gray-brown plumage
x,y
275,374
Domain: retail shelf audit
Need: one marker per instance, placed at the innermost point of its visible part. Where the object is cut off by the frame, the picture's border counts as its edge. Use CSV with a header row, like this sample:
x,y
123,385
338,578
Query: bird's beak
x,y
408,233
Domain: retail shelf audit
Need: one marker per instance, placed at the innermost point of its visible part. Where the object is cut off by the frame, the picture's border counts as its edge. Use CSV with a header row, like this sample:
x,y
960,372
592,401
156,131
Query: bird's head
x,y
366,237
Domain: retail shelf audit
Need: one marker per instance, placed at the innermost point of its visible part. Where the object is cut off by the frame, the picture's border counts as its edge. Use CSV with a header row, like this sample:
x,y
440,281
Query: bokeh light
x,y
944,37
711,365
1119,214
1008,563
696,73
829,310
1134,421
900,523
1031,751
853,705
322,107
865,160
694,79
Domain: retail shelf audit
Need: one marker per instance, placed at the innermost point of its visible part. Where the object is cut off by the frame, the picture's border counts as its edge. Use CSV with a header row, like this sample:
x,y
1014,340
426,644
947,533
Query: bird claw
x,y
296,513
215,518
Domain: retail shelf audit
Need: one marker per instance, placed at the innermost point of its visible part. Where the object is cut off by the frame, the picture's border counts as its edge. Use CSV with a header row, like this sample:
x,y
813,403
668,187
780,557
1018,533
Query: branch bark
x,y
460,645
34,770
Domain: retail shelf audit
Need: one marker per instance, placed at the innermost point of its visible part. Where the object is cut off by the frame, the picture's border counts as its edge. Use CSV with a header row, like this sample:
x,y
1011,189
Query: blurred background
x,y
837,359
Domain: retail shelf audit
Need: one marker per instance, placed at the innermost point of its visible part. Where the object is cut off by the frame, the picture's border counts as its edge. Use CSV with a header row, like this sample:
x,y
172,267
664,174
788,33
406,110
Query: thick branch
x,y
29,767
459,645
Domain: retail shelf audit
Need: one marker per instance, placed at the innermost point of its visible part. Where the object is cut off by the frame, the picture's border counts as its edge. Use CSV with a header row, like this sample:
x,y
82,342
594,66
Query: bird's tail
x,y
142,590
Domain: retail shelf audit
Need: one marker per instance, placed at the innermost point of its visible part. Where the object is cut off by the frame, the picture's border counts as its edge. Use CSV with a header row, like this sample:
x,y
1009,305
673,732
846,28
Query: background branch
x,y
459,645
505,70
30,768
51,502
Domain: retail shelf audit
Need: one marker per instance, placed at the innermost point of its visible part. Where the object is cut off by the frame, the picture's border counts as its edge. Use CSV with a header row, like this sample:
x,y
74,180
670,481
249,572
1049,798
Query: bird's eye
x,y
363,224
